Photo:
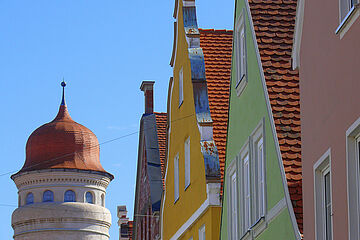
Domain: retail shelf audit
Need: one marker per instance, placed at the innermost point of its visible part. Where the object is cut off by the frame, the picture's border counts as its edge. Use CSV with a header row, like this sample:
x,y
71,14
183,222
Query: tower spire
x,y
63,84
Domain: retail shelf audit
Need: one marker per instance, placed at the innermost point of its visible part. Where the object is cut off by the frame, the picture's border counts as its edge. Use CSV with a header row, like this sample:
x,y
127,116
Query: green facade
x,y
246,111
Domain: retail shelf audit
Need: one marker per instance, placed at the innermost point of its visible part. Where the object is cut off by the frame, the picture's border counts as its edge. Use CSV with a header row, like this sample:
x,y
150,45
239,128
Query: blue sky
x,y
104,50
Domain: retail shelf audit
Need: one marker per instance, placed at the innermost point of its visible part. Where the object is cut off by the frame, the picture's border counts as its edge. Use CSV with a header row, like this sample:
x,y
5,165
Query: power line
x,y
97,145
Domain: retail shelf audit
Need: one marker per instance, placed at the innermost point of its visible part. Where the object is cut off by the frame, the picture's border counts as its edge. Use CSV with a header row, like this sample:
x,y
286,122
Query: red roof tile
x,y
161,124
217,49
274,23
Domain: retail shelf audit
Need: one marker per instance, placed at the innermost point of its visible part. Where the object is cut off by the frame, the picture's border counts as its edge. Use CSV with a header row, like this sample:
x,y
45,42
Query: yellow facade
x,y
184,213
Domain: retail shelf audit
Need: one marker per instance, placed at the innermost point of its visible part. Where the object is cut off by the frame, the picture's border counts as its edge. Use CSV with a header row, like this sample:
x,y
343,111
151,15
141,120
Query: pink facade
x,y
330,105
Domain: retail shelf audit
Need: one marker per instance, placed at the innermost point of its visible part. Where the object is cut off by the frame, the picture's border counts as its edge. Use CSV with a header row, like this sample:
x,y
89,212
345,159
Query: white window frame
x,y
181,86
321,168
353,179
240,53
233,203
187,162
202,233
348,13
260,177
176,178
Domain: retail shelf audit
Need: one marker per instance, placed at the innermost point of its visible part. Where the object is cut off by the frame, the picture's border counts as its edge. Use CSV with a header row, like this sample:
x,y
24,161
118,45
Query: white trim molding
x,y
295,54
353,178
348,20
322,168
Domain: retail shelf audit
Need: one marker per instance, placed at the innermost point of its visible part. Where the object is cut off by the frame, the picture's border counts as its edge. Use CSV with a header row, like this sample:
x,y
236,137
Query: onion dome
x,y
63,144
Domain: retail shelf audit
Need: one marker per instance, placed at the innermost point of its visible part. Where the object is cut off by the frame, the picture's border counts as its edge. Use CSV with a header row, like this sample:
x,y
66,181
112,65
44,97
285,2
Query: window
x,y
260,179
69,196
89,197
30,198
19,202
48,196
202,233
353,178
176,178
240,55
103,200
187,162
181,86
323,202
349,12
252,185
233,202
247,192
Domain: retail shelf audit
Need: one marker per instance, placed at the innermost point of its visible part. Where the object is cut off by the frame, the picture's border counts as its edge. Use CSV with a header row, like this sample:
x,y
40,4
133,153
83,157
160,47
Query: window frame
x,y
353,179
348,13
202,233
176,179
92,197
69,192
181,86
52,196
187,162
320,169
240,53
27,202
233,204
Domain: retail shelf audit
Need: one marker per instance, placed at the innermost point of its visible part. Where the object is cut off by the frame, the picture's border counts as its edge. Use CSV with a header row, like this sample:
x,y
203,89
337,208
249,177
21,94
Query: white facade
x,y
57,219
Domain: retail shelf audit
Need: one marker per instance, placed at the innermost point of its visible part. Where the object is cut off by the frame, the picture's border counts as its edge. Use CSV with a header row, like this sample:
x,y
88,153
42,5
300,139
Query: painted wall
x,y
330,103
183,124
245,113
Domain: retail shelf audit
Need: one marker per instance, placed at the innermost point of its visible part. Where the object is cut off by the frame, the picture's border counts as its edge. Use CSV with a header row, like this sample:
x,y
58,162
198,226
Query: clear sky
x,y
104,49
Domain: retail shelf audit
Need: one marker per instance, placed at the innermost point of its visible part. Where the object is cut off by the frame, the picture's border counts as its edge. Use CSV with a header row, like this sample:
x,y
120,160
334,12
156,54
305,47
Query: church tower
x,y
62,185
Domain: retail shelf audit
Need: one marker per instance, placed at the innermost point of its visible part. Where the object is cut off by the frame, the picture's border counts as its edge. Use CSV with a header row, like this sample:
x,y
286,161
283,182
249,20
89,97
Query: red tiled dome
x,y
62,144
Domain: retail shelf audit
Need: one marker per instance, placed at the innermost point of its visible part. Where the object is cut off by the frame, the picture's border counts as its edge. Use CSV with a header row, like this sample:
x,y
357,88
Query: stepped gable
x,y
274,24
161,125
217,49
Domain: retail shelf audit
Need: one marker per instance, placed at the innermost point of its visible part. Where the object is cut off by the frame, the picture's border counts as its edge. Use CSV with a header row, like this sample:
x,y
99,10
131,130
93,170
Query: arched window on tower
x,y
48,196
69,196
103,200
29,198
19,203
89,197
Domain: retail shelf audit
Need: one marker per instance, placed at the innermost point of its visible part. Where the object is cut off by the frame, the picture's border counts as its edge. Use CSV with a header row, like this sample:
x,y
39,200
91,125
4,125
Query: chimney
x,y
147,88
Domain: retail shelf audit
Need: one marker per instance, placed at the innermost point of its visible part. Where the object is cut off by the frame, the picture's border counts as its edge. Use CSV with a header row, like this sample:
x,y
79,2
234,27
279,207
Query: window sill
x,y
348,20
240,86
259,227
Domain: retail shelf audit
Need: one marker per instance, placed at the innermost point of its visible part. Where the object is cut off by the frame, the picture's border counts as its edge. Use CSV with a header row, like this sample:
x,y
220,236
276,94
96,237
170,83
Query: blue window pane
x,y
89,197
48,196
29,198
69,196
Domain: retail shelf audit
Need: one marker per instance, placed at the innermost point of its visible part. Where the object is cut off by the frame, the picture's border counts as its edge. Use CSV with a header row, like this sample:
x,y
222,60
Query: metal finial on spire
x,y
63,84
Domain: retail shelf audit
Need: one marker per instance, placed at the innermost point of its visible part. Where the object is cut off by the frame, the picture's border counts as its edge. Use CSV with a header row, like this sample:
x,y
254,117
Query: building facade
x,y
197,120
327,56
262,190
62,185
149,179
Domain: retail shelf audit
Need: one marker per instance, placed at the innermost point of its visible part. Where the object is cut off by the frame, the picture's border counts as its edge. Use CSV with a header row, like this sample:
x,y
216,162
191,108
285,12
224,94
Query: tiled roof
x,y
217,49
161,123
274,23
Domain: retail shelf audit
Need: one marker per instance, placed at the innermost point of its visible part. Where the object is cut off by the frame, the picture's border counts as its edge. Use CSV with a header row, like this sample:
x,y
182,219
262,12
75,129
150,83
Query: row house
x,y
327,55
263,174
197,119
149,178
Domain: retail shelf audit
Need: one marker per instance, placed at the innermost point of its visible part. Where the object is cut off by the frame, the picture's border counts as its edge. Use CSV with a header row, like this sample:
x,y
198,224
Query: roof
x,y
217,49
161,125
63,144
274,23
